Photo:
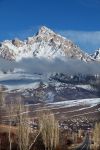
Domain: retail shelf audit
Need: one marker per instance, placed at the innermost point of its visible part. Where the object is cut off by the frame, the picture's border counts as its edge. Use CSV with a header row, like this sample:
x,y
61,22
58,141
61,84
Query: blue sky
x,y
78,20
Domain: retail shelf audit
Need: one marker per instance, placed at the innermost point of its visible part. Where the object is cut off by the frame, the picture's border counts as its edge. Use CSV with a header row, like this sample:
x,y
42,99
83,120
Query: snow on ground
x,y
23,86
84,103
87,87
17,76
14,81
71,103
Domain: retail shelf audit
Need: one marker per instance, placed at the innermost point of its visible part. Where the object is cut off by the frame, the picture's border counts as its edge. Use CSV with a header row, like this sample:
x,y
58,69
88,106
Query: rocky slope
x,y
96,55
45,43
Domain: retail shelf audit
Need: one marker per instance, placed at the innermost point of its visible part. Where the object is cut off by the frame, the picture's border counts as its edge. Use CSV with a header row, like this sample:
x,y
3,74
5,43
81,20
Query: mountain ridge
x,y
46,43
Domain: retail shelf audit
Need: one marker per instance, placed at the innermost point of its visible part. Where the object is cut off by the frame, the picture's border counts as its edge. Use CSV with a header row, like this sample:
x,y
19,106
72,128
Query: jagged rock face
x,y
96,55
16,42
7,52
46,44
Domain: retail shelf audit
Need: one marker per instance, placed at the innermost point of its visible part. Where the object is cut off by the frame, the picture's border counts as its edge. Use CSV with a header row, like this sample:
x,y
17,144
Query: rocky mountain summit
x,y
46,44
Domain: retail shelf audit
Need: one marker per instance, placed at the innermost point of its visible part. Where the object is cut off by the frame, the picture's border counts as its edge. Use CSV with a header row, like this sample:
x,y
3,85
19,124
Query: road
x,y
85,145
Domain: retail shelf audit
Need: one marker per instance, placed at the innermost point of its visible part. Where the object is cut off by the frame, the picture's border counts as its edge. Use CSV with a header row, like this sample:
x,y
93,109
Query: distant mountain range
x,y
46,44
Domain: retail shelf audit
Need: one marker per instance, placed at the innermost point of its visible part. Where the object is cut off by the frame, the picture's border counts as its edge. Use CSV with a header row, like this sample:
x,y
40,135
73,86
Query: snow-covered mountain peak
x,y
96,55
44,30
46,43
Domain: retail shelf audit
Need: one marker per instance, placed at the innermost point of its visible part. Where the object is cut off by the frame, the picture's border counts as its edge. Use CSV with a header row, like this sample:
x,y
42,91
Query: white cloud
x,y
88,40
35,65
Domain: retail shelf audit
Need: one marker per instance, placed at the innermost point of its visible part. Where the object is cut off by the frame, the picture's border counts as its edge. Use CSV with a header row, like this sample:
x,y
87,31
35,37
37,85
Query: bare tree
x,y
2,98
49,128
96,136
24,129
2,101
10,116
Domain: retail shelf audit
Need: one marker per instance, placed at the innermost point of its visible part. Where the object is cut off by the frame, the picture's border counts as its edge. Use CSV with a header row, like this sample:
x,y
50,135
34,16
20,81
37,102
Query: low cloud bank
x,y
35,65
